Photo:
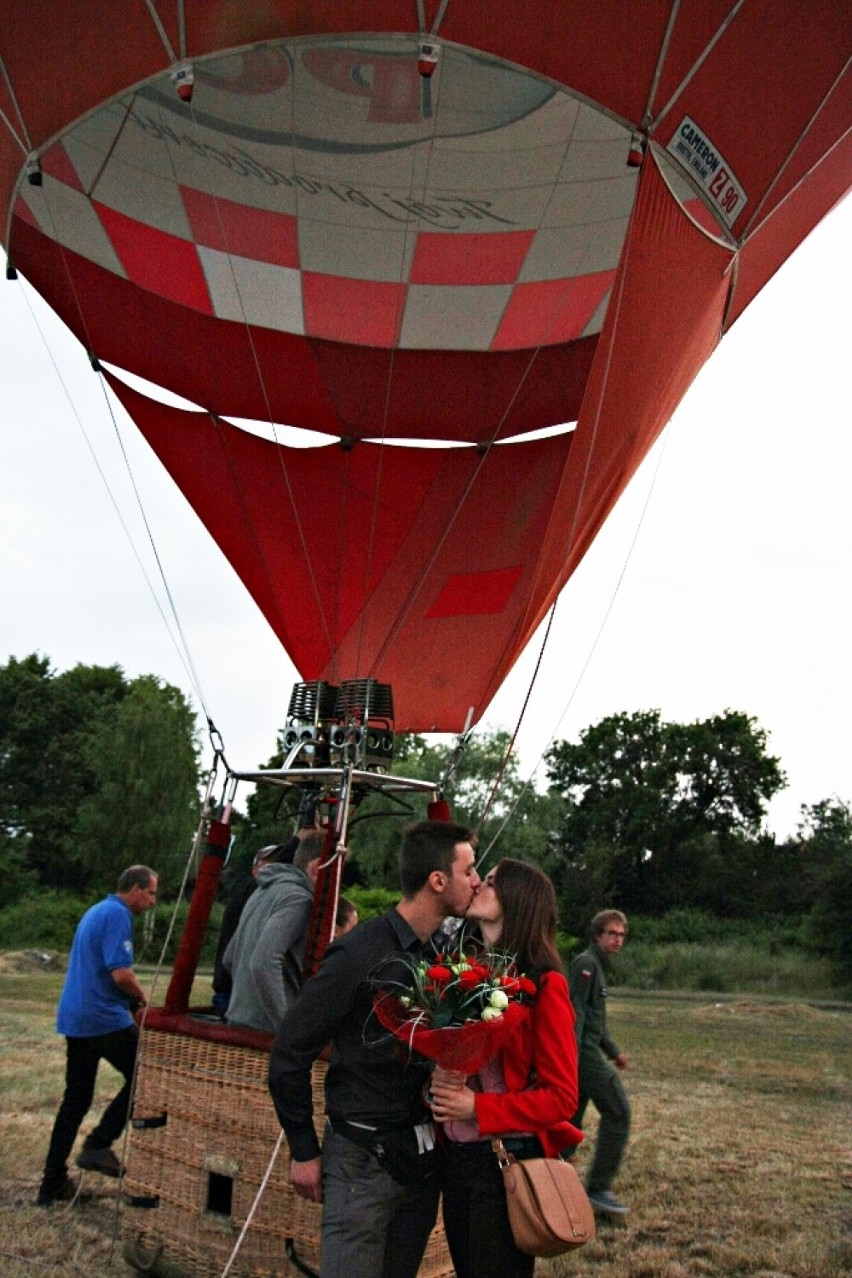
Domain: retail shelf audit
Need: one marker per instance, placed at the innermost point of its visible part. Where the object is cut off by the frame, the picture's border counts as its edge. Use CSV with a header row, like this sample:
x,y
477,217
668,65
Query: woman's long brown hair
x,y
528,900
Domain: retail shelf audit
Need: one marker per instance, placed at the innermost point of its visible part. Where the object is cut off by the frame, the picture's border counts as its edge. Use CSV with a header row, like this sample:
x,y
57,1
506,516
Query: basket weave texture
x,y
203,1166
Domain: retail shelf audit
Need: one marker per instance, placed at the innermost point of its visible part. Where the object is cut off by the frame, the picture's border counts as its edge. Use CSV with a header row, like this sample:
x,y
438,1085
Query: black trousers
x,y
83,1055
475,1214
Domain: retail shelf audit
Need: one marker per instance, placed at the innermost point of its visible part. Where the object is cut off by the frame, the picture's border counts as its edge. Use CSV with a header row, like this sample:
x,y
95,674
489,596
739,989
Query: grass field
x,y
740,1160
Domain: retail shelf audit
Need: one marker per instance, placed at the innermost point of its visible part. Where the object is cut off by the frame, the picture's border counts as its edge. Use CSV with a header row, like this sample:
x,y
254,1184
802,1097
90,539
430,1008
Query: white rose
x,y
499,999
491,1013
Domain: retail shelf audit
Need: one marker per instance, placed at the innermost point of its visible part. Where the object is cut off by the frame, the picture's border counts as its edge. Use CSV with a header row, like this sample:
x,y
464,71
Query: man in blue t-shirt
x,y
94,1014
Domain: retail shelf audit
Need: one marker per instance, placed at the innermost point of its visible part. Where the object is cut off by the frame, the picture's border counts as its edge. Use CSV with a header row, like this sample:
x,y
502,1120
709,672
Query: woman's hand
x,y
451,1100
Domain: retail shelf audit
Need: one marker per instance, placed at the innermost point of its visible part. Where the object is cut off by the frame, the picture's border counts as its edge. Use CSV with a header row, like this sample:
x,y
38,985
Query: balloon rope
x,y
588,661
183,654
752,224
189,663
161,30
697,63
24,143
256,1203
164,949
569,541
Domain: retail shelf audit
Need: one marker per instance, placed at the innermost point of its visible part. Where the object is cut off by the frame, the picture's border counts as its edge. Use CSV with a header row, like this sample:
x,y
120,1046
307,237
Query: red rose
x,y
526,986
470,978
439,974
511,984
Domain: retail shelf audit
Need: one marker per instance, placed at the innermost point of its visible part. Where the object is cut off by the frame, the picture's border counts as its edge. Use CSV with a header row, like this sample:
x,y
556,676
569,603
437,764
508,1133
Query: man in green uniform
x,y
599,1082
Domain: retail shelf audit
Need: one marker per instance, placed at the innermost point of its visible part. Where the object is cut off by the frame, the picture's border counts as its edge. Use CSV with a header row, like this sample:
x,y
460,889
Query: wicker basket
x,y
203,1135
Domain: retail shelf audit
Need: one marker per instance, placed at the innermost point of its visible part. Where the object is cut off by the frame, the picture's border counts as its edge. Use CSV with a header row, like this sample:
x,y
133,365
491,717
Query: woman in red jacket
x,y
525,1095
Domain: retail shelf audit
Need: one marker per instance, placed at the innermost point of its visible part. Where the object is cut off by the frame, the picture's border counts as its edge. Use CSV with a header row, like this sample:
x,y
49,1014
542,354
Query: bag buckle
x,y
504,1158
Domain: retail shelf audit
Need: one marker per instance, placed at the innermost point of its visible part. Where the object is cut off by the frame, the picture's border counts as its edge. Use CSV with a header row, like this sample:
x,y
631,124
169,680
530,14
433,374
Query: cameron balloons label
x,y
696,152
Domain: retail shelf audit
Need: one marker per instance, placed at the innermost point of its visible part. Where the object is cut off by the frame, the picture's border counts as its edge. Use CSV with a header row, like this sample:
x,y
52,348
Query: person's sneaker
x,y
99,1160
604,1200
66,1192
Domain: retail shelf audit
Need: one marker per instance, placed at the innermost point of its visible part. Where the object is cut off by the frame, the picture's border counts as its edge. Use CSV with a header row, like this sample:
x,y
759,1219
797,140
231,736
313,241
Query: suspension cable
x,y
527,785
189,664
183,654
191,860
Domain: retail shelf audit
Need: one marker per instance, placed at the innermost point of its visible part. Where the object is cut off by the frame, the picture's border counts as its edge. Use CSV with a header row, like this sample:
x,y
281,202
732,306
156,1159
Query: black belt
x,y
409,1154
521,1146
367,1133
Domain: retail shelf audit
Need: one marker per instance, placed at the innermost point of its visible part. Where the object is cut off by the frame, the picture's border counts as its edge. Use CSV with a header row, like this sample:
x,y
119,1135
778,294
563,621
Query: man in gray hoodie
x,y
265,954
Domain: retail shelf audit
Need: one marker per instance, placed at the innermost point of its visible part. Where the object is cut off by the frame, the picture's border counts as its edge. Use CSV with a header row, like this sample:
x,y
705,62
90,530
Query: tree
x,y
66,747
656,815
825,847
44,719
144,807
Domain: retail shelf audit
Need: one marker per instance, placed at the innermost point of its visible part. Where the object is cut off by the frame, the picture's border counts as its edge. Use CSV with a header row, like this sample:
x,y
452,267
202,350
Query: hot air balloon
x,y
281,217
427,232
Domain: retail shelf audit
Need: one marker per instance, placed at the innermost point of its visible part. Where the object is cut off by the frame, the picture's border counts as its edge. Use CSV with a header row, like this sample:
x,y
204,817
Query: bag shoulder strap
x,y
504,1158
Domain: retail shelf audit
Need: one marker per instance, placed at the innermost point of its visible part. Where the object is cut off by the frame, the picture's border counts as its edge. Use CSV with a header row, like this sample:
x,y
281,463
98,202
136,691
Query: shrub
x,y
569,947
686,926
47,921
370,902
153,928
735,967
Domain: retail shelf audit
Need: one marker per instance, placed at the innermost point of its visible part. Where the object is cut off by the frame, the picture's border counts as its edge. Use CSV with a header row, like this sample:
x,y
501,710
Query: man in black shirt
x,y
376,1175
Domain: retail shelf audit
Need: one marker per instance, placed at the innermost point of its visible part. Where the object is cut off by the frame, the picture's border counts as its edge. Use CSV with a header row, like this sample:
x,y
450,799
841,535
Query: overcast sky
x,y
720,581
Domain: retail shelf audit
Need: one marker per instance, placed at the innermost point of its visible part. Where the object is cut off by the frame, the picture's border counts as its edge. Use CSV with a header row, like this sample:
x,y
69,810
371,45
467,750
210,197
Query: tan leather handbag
x,y
549,1210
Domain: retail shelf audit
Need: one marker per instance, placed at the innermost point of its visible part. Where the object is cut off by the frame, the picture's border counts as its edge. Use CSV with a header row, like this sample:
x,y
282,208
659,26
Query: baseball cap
x,y
263,854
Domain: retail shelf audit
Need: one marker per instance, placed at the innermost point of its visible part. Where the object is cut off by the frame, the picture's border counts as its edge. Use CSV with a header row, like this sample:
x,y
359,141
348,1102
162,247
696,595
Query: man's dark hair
x,y
310,847
345,910
428,846
135,876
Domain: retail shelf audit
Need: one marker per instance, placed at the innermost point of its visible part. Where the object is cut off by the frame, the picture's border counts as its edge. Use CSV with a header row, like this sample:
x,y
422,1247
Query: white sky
x,y
734,595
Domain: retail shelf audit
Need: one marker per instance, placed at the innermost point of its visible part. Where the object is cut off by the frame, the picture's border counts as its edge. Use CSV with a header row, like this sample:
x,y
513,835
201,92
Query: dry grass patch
x,y
740,1162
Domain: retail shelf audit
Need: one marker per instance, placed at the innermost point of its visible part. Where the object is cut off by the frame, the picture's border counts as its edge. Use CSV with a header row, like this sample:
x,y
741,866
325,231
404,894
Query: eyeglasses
x,y
610,932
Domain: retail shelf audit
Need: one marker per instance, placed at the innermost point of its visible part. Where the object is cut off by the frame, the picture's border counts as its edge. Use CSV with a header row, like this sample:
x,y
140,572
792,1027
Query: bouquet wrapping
x,y
459,1011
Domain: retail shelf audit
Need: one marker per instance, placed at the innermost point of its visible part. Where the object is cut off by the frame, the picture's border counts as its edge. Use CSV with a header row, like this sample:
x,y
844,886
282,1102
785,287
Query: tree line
x,y
98,771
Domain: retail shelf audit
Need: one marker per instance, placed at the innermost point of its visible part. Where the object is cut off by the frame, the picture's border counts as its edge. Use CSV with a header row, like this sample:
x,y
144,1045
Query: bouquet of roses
x,y
459,1009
